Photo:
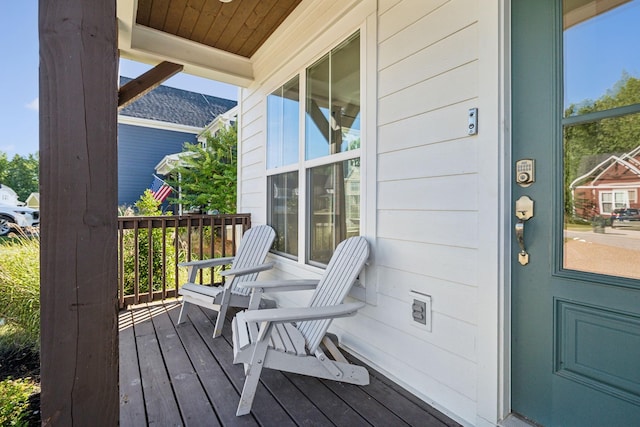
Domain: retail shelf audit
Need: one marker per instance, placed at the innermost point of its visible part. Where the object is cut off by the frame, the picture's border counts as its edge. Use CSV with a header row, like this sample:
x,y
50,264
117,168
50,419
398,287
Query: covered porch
x,y
90,350
179,375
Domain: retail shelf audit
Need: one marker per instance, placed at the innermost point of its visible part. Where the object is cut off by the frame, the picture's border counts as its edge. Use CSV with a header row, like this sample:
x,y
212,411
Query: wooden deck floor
x,y
173,376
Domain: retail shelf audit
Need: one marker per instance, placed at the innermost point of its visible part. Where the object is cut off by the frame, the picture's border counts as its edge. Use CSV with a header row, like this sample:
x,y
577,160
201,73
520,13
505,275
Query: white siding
x,y
437,195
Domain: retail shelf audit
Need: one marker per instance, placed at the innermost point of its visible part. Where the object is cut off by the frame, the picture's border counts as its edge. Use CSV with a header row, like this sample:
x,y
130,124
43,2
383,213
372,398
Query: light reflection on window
x,y
601,144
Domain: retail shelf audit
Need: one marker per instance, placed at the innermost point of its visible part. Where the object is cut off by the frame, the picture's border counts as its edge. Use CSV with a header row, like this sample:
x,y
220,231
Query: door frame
x,y
495,214
507,218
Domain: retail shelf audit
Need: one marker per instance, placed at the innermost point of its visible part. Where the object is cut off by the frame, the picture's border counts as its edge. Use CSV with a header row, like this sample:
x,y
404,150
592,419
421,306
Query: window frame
x,y
627,199
340,31
303,165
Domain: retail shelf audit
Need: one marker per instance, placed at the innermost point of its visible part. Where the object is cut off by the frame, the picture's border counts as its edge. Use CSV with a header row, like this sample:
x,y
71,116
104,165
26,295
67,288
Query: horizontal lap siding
x,y
139,151
450,228
252,197
427,207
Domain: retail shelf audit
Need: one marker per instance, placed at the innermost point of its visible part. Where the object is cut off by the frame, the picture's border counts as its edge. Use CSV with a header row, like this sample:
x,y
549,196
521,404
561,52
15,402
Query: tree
x,y
588,144
4,165
208,176
20,173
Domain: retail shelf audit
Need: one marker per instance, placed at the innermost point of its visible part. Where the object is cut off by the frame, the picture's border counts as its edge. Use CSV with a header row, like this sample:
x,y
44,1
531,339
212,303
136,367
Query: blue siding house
x,y
156,125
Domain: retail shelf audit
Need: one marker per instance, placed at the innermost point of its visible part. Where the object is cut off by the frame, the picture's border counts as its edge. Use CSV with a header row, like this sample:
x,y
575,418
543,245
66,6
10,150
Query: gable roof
x,y
629,162
171,105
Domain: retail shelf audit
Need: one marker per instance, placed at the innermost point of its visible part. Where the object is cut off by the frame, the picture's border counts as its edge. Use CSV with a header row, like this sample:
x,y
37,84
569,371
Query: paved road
x,y
617,237
615,252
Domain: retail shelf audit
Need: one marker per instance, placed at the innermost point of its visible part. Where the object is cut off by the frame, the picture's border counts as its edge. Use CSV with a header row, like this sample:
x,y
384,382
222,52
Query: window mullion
x,y
339,157
302,175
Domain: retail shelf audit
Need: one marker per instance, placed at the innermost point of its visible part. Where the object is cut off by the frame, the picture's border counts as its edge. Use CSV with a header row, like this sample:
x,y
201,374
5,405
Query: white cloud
x,y
34,105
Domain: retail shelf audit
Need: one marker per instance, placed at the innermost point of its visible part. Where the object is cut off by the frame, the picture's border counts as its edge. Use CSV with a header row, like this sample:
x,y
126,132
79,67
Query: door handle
x,y
523,256
524,211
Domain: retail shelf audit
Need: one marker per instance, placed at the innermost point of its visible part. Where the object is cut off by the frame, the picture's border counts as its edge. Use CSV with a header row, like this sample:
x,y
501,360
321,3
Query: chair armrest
x,y
281,285
206,263
281,315
248,270
194,266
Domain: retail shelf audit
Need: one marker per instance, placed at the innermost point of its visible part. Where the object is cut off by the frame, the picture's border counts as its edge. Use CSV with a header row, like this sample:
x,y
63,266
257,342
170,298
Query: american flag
x,y
160,189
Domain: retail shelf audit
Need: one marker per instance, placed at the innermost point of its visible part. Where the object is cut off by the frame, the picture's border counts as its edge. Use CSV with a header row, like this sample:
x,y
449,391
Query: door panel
x,y
576,304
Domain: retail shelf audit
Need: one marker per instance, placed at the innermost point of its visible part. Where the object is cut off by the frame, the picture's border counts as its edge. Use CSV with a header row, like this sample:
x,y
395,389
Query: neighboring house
x,y
612,184
171,161
33,201
471,303
226,119
155,125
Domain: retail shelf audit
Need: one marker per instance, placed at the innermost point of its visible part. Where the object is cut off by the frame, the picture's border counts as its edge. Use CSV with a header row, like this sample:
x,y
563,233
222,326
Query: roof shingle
x,y
167,104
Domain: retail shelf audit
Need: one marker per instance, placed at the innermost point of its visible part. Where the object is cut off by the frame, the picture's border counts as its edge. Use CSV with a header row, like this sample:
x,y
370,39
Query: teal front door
x,y
575,347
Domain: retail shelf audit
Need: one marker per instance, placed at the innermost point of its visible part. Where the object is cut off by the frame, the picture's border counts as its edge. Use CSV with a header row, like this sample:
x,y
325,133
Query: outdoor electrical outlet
x,y
421,310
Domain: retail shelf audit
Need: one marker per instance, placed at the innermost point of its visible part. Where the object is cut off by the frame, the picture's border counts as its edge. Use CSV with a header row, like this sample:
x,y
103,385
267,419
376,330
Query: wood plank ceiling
x,y
238,27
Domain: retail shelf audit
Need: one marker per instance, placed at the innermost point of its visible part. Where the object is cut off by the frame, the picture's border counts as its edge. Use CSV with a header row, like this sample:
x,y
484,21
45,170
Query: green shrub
x,y
20,284
14,401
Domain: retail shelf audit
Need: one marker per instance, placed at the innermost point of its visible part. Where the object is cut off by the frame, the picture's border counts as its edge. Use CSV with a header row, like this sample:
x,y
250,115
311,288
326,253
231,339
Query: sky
x,y
596,52
19,132
594,63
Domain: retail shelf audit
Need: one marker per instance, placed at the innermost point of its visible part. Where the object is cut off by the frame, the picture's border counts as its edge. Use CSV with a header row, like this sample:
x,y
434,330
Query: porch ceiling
x,y
210,38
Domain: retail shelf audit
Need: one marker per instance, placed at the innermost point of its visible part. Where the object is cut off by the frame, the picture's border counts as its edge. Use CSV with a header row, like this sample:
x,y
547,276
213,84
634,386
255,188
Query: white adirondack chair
x,y
269,339
245,265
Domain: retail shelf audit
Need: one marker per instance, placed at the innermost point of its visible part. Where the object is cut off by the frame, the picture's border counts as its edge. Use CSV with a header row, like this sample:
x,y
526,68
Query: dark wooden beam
x,y
147,82
78,186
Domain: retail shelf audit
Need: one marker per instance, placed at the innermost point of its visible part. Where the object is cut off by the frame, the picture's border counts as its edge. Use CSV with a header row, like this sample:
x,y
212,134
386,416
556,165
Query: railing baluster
x,y
200,238
176,245
150,260
189,239
136,269
121,264
164,258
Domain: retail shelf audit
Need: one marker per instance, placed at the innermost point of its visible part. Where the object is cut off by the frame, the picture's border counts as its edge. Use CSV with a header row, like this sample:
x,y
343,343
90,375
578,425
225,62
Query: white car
x,y
21,216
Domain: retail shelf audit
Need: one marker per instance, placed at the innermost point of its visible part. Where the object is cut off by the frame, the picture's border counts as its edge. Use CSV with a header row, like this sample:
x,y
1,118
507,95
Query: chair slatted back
x,y
252,251
341,273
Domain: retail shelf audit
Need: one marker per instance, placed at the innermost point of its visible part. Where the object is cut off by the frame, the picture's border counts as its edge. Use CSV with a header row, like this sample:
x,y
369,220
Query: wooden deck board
x,y
131,398
370,409
412,410
222,395
160,402
195,408
267,411
179,375
329,403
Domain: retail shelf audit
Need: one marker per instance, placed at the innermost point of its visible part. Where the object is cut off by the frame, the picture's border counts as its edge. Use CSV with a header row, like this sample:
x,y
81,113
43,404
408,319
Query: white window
x,y
323,156
616,199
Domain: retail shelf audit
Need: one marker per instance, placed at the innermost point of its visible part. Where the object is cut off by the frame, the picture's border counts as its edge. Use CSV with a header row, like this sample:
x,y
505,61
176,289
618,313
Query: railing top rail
x,y
186,216
127,222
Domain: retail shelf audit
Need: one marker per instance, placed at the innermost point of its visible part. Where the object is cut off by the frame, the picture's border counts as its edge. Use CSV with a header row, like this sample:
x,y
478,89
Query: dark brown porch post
x,y
78,184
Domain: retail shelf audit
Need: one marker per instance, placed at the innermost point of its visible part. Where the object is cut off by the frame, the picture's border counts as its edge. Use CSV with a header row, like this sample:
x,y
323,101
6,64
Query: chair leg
x,y
249,389
253,375
222,313
182,311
